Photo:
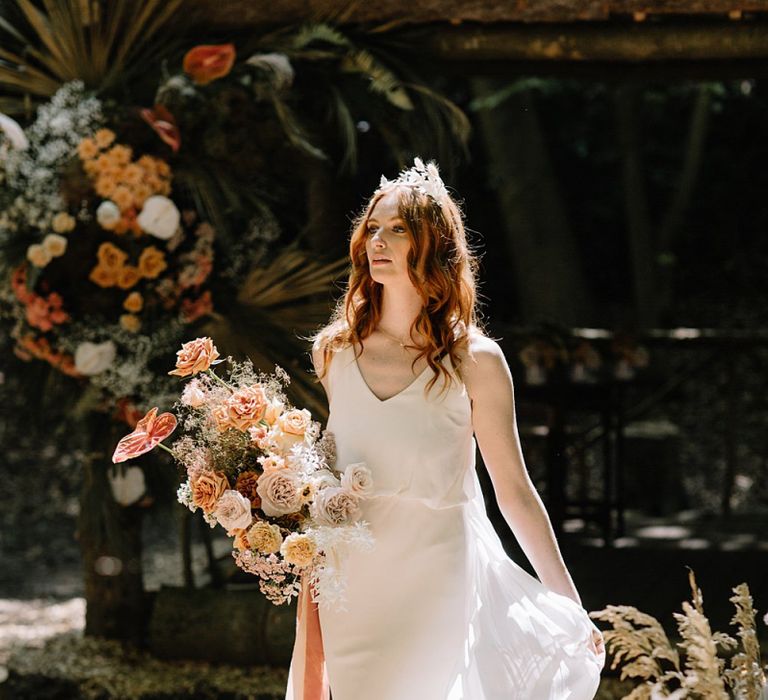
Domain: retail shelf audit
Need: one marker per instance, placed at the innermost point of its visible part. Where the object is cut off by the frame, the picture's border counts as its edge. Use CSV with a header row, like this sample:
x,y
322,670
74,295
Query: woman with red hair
x,y
436,610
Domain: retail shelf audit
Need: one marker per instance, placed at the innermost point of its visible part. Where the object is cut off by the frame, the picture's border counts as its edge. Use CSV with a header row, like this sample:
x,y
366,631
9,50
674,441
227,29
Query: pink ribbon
x,y
308,670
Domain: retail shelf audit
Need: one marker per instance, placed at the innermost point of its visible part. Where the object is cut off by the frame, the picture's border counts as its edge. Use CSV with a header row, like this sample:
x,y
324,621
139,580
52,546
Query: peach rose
x,y
221,417
299,549
265,537
246,406
195,356
280,493
335,506
207,489
241,540
233,511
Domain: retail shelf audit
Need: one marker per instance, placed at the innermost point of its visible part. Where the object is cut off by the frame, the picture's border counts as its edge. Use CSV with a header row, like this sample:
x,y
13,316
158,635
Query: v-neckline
x,y
370,391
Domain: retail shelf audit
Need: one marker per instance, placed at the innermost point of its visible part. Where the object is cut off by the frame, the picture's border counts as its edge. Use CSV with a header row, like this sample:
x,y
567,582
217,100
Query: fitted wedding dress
x,y
437,610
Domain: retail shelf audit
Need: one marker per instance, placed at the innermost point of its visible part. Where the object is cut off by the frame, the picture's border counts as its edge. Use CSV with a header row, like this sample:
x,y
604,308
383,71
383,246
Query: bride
x,y
436,610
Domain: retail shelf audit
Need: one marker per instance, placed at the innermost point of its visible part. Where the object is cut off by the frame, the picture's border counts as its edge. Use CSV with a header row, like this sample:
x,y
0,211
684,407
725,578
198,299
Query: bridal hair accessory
x,y
424,178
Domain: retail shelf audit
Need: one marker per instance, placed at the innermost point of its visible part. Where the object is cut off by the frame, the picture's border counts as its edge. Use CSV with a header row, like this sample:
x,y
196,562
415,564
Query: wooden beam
x,y
239,13
634,43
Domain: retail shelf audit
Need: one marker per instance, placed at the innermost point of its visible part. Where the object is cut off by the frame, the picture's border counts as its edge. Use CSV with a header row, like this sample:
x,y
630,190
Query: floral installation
x,y
103,268
640,646
259,467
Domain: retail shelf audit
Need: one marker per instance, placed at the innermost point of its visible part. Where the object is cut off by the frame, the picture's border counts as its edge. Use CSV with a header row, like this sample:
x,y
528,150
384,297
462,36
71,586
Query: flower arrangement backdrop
x,y
154,188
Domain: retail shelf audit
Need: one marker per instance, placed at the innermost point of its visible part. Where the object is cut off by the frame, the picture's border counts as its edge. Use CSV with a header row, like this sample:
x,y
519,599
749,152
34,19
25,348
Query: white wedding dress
x,y
437,610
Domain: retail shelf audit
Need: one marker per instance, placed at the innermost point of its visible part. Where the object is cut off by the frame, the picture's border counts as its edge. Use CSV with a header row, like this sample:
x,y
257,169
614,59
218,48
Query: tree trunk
x,y
547,273
110,543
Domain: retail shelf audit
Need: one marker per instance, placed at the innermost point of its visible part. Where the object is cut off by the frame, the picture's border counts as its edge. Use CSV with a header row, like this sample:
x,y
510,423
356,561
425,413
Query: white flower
x,y
233,511
55,244
193,395
38,255
94,358
160,217
357,479
108,213
127,485
13,132
325,479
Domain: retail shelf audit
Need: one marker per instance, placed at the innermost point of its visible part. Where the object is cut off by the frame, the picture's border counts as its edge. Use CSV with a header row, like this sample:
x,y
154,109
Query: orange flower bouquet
x,y
260,468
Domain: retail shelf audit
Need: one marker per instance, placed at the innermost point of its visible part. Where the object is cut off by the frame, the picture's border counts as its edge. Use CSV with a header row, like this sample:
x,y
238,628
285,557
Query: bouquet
x,y
260,468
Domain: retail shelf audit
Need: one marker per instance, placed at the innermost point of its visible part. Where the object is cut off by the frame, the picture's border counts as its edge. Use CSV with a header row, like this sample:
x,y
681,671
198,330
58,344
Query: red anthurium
x,y
208,62
150,431
164,124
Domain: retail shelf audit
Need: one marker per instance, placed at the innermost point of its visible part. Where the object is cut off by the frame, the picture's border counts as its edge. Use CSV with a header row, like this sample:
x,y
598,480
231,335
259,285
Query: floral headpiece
x,y
424,178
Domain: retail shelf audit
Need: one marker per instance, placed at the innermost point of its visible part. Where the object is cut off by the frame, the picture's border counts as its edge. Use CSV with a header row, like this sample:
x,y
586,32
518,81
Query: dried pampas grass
x,y
638,644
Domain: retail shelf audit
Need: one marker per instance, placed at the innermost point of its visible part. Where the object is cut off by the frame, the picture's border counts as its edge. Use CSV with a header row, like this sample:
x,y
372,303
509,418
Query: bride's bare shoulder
x,y
482,360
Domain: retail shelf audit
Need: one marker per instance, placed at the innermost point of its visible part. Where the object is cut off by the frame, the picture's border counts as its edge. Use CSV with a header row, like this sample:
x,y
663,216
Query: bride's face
x,y
387,237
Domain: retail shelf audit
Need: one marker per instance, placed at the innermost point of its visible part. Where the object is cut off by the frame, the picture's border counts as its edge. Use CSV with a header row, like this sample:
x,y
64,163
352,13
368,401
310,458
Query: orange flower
x,y
120,154
87,149
105,186
130,322
111,257
209,61
141,193
128,276
103,163
164,124
132,174
195,356
133,302
103,276
150,431
123,197
151,262
104,138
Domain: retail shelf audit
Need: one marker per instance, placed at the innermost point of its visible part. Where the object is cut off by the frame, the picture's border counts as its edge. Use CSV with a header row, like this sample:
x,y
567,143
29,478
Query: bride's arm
x,y
489,384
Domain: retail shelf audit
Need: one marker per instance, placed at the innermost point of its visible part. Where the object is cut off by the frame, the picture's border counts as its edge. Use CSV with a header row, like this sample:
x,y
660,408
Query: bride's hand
x,y
598,641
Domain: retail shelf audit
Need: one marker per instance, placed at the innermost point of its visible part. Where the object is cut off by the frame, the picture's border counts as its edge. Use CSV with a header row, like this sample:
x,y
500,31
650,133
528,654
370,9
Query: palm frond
x,y
293,129
65,40
382,79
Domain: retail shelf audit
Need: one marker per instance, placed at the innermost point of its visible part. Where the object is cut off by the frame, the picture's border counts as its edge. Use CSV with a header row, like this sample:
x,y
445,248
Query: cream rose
x,y
55,244
274,410
195,356
335,506
299,549
193,395
233,511
357,479
324,479
207,489
246,406
282,441
280,493
94,358
63,222
159,217
265,537
295,422
38,255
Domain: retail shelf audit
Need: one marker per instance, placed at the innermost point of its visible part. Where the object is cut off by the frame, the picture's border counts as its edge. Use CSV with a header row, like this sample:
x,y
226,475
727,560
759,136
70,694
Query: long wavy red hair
x,y
441,265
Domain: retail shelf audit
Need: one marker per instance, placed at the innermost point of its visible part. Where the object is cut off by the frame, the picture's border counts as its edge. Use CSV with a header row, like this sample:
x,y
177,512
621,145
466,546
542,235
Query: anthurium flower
x,y
164,124
208,62
150,431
